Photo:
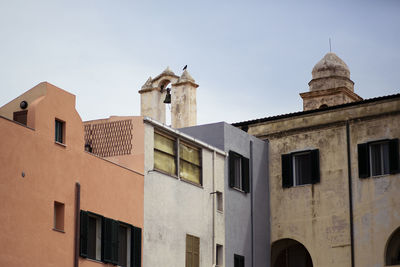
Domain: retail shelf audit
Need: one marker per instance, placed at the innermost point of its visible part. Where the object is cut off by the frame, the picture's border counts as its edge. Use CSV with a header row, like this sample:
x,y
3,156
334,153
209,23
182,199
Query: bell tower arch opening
x,y
290,253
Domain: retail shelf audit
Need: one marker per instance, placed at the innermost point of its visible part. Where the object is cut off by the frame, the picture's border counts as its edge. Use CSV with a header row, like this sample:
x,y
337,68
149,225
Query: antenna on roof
x,y
330,46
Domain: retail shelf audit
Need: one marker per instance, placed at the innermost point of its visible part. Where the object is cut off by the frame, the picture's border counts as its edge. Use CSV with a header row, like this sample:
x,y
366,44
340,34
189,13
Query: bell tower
x,y
154,95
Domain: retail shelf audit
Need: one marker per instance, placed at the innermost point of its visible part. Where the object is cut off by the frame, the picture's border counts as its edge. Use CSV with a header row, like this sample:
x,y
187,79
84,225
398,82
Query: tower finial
x,y
330,46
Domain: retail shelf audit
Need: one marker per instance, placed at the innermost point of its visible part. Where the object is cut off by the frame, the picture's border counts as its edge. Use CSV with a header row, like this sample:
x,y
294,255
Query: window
x,y
239,172
192,251
166,155
238,261
21,116
393,249
378,158
220,202
110,241
58,216
219,260
300,168
59,131
189,163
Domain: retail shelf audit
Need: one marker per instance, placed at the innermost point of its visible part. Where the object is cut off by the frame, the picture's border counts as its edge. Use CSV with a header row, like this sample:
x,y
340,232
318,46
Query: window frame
x,y
59,128
365,158
243,171
178,141
289,175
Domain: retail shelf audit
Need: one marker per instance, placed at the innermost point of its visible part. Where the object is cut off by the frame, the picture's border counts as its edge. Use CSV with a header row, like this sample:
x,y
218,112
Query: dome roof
x,y
330,65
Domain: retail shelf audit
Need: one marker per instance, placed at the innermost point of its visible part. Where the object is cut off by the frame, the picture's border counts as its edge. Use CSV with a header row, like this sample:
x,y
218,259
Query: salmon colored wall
x,y
51,170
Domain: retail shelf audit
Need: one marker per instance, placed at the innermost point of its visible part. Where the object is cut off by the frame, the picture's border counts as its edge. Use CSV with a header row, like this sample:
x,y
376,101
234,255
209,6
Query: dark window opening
x,y
238,261
59,215
239,175
59,131
21,116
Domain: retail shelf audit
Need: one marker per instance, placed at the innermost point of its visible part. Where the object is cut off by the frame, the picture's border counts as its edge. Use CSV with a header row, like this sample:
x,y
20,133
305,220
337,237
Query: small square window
x,y
59,131
21,116
59,216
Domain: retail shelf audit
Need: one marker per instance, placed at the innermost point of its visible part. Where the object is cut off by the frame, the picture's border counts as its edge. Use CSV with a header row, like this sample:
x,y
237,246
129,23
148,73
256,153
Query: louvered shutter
x,y
136,247
287,171
315,174
106,246
363,160
196,251
394,156
83,233
245,175
189,251
231,169
114,241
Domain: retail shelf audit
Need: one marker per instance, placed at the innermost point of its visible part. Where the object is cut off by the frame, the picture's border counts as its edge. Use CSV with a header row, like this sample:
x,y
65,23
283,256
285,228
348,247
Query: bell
x,y
167,99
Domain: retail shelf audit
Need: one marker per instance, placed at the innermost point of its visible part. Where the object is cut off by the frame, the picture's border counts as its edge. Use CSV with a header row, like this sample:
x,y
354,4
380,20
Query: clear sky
x,y
250,58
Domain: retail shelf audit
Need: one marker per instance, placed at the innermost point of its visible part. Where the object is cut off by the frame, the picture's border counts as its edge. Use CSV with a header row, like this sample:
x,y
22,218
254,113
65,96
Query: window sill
x,y
166,173
239,190
59,230
221,212
60,144
380,176
192,183
93,260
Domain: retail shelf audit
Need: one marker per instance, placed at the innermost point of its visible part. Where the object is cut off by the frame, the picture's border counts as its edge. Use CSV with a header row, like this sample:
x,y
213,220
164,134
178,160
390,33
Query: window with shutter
x,y
192,251
239,172
378,158
136,247
90,235
300,168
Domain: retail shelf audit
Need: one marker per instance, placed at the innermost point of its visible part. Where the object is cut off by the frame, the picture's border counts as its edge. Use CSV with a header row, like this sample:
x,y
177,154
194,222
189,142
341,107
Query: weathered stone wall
x,y
318,215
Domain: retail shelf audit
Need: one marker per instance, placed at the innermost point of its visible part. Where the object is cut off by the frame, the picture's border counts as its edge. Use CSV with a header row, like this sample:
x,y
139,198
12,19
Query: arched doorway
x,y
393,249
289,253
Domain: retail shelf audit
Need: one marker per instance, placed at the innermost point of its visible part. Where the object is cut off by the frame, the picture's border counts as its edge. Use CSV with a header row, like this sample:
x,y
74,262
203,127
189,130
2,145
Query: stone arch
x,y
289,253
392,251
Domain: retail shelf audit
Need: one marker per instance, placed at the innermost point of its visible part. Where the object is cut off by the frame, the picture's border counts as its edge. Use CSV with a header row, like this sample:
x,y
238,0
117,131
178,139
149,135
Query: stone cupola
x,y
183,98
330,84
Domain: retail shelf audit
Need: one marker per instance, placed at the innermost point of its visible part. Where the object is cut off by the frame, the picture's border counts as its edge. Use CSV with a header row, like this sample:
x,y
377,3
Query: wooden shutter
x,y
196,251
245,175
231,169
114,241
83,232
189,251
287,171
394,156
363,160
136,247
315,174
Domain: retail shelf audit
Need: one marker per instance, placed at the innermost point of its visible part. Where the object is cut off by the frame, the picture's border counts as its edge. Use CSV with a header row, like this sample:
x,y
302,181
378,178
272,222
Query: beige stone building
x,y
334,175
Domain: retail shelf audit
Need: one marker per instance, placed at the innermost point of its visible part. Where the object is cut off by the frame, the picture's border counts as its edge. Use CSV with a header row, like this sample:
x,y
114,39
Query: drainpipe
x,y
251,201
350,193
77,222
213,209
